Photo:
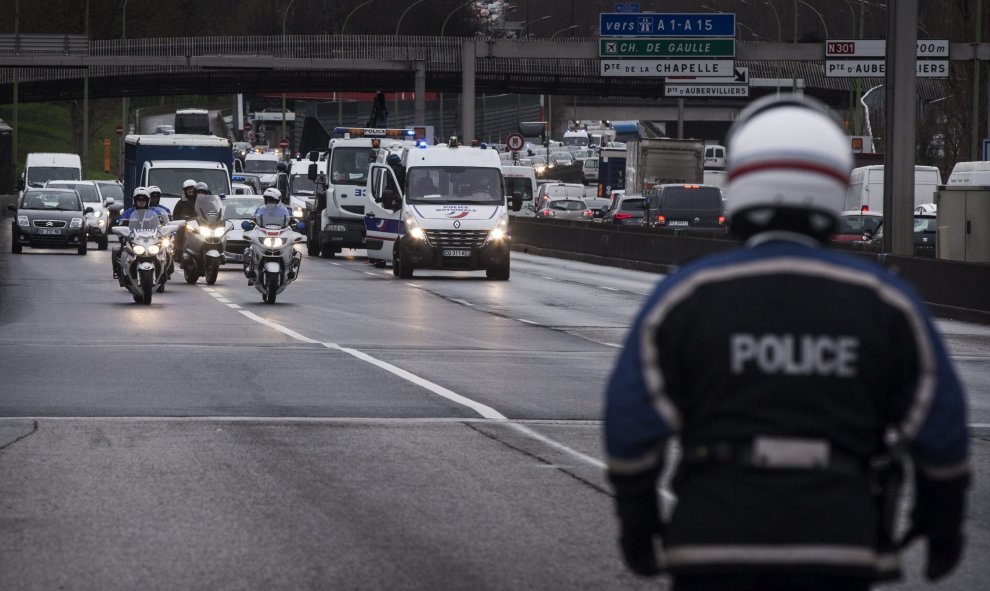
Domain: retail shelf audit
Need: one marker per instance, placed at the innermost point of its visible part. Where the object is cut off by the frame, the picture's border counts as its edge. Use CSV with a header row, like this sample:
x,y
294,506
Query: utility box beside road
x,y
963,221
651,162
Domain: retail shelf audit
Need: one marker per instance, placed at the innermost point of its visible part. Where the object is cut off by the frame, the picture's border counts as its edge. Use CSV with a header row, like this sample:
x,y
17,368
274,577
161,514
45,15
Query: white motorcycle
x,y
270,259
144,254
203,251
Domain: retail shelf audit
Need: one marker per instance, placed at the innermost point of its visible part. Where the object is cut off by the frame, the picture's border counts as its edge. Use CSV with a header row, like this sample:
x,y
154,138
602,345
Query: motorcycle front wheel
x,y
212,269
271,287
147,286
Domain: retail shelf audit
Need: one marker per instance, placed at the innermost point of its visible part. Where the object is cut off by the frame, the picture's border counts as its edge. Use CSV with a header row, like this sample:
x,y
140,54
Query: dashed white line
x,y
335,264
414,285
370,274
208,289
223,300
234,306
607,288
617,346
462,302
523,320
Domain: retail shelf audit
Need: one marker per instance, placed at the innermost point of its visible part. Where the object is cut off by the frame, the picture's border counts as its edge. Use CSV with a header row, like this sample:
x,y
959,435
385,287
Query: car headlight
x,y
412,228
153,249
22,220
218,232
139,249
500,230
76,223
297,212
273,242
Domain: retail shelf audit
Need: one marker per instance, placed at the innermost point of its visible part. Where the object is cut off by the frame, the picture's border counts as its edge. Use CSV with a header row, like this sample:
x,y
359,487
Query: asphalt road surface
x,y
365,432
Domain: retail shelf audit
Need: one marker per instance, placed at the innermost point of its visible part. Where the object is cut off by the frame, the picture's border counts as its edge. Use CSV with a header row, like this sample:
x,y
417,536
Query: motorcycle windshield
x,y
209,209
143,219
272,217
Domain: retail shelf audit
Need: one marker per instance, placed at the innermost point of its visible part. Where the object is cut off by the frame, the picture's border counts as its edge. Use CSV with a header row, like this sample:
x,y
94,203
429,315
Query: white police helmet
x,y
188,184
273,194
788,166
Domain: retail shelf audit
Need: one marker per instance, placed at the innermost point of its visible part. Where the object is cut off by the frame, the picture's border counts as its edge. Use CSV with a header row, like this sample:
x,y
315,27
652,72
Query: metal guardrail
x,y
952,289
35,44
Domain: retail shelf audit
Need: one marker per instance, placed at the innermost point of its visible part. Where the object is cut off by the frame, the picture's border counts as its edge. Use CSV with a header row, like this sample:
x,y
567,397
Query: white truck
x,y
449,211
341,222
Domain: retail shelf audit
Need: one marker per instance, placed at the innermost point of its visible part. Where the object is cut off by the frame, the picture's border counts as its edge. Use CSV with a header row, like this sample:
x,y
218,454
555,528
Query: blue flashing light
x,y
237,179
422,144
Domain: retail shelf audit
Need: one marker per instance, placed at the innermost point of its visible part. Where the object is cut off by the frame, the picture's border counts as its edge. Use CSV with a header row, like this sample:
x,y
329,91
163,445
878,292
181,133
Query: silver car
x,y
565,209
97,222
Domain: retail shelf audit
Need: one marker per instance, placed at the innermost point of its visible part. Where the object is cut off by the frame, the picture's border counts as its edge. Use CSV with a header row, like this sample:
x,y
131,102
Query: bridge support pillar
x,y
901,107
467,91
420,91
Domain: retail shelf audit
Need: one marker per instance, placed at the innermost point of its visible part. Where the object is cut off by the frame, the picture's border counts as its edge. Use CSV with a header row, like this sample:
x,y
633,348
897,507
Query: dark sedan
x,y
49,218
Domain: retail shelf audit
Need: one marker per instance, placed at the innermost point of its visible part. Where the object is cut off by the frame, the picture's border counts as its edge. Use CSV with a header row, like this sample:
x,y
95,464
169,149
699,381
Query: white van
x,y
450,213
519,179
714,156
41,167
976,174
866,187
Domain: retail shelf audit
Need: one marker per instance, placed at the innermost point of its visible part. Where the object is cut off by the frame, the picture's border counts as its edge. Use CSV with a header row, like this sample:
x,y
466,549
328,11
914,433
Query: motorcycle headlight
x,y
139,249
297,212
274,242
206,231
218,232
165,242
153,249
101,223
76,223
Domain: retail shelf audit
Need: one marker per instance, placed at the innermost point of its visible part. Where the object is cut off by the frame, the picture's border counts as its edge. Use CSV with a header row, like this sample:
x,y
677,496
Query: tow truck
x,y
336,221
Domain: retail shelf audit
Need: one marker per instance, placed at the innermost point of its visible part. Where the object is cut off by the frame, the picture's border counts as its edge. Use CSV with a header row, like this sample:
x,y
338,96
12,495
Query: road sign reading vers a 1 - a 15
x,y
666,47
706,24
714,68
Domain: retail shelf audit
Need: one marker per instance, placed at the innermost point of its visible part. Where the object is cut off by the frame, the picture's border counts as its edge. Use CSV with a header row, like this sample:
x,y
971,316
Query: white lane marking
x,y
414,285
291,419
979,425
612,345
970,357
482,409
528,321
223,300
462,302
548,277
608,288
335,264
208,289
370,274
234,306
280,328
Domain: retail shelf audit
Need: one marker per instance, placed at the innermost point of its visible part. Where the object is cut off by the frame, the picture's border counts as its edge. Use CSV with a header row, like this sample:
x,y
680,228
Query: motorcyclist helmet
x,y
202,188
141,198
272,195
189,187
155,193
787,164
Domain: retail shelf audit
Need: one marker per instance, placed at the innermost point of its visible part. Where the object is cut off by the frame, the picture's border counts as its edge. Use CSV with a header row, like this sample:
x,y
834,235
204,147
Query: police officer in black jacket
x,y
787,372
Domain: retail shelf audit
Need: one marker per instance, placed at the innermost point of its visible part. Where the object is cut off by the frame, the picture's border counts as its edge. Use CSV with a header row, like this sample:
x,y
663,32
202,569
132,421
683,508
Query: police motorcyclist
x,y
781,366
202,188
185,209
272,212
155,203
142,201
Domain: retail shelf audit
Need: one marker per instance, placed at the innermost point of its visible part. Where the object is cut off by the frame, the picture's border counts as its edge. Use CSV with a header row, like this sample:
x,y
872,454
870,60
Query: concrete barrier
x,y
6,200
951,289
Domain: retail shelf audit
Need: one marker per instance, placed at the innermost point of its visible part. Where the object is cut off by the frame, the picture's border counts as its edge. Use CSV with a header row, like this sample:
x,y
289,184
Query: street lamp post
x,y
820,17
442,29
123,101
285,42
564,29
343,27
397,25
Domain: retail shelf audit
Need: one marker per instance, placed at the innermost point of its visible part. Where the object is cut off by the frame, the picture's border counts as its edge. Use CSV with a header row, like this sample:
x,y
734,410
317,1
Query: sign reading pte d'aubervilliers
x,y
714,68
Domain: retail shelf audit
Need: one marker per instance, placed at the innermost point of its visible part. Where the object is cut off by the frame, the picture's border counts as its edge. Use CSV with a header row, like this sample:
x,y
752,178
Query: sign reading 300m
x,y
620,24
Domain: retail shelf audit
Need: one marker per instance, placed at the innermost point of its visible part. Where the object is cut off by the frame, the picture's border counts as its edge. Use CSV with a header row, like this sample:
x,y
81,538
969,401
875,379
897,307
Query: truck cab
x,y
341,219
449,211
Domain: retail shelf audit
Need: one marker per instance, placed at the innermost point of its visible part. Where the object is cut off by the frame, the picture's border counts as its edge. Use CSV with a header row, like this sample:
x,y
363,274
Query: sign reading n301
x,y
620,24
878,48
667,47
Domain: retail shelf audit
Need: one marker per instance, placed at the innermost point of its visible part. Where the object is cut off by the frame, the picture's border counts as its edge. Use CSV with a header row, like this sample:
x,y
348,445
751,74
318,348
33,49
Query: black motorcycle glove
x,y
939,508
637,506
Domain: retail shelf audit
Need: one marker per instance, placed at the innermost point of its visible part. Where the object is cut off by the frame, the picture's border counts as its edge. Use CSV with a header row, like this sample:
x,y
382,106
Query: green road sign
x,y
667,47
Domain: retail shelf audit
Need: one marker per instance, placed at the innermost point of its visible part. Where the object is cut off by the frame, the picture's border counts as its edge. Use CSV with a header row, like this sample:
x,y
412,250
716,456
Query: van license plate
x,y
677,223
449,252
50,231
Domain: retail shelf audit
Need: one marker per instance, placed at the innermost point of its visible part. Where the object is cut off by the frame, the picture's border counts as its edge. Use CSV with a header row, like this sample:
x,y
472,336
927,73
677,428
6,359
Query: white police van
x,y
448,212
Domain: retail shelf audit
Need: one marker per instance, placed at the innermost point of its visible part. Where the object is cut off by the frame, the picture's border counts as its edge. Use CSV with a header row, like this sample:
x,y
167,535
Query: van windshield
x,y
300,183
455,184
170,180
261,166
42,174
702,198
